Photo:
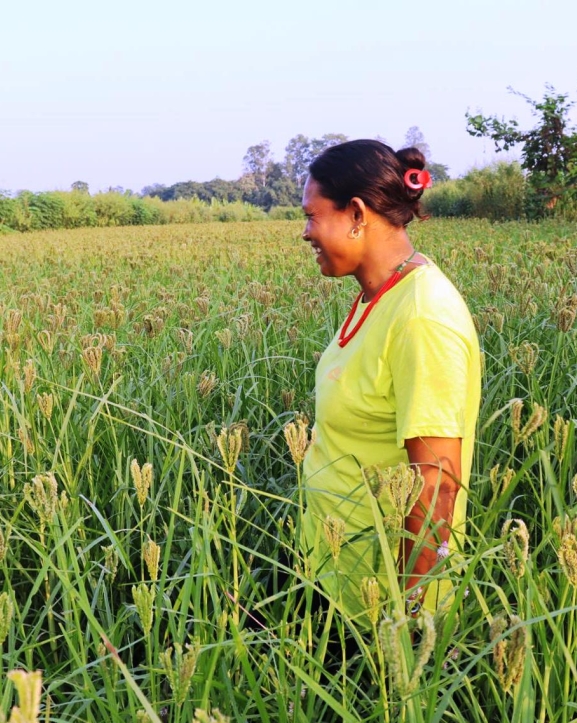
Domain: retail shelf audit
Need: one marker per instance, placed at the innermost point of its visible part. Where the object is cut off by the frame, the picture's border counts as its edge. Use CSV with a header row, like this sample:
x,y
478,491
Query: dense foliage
x,y
150,517
496,192
267,183
76,209
548,151
264,183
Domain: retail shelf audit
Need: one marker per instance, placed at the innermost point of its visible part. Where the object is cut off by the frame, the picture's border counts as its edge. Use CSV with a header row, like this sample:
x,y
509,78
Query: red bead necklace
x,y
344,338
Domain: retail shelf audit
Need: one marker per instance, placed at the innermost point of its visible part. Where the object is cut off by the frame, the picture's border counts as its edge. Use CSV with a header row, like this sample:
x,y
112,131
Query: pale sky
x,y
126,93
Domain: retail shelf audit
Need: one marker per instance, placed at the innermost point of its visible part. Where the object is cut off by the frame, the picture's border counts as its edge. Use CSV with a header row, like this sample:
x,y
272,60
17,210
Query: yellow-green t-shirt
x,y
412,370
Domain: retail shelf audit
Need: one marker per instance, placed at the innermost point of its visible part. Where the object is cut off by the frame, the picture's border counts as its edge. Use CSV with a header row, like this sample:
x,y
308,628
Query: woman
x,y
400,382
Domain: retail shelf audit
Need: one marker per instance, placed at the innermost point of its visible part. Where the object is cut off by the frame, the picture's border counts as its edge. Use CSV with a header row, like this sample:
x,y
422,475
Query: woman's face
x,y
327,230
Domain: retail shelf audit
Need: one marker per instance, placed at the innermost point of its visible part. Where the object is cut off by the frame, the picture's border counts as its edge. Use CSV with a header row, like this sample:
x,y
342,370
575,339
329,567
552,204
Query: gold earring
x,y
355,232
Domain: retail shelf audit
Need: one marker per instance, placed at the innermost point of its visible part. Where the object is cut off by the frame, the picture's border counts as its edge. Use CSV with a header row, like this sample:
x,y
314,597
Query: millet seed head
x,y
6,612
370,595
560,435
566,318
403,484
567,554
334,529
29,688
296,435
516,409
141,479
151,556
516,545
143,597
45,403
229,443
508,652
42,496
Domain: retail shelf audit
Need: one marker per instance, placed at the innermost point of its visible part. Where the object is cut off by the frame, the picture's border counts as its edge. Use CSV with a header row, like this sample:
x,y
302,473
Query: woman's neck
x,y
385,250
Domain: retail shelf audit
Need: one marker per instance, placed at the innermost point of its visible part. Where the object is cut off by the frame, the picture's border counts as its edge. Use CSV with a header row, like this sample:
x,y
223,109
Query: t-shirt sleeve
x,y
430,367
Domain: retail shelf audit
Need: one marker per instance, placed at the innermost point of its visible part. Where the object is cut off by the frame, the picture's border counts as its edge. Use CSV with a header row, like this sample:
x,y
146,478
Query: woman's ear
x,y
358,210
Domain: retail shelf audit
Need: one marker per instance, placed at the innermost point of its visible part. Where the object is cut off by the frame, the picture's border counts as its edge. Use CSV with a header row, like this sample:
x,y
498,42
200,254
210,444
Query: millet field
x,y
157,394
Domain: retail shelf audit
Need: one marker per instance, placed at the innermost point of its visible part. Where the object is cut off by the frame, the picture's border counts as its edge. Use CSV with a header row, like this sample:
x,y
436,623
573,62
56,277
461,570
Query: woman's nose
x,y
305,236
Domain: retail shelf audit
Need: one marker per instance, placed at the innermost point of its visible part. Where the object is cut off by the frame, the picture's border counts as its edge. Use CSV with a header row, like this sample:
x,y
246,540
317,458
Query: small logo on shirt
x,y
335,373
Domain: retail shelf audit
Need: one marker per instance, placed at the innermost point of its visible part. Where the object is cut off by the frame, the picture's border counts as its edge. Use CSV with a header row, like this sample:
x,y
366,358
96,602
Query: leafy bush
x,y
548,153
286,213
78,210
235,211
113,209
496,192
75,209
31,211
144,213
448,200
7,212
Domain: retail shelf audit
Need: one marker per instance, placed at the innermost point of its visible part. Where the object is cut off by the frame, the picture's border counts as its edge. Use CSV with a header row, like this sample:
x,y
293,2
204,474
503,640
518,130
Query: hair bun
x,y
411,158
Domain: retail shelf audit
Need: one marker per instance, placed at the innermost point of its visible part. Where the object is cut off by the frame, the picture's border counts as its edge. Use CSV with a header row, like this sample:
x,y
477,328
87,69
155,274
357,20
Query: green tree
x,y
257,161
156,189
414,138
80,187
298,159
318,145
283,191
7,211
549,150
439,172
46,209
301,152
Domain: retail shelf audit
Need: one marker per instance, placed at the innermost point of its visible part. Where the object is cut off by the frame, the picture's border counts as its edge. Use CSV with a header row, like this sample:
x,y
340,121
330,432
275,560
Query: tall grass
x,y
143,344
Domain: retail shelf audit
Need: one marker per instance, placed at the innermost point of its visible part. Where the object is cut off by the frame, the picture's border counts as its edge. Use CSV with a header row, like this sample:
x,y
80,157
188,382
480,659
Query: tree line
x,y
267,183
77,209
544,183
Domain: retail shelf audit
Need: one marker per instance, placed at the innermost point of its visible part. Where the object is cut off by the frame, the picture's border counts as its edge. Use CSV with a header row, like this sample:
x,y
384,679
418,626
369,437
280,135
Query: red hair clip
x,y
423,179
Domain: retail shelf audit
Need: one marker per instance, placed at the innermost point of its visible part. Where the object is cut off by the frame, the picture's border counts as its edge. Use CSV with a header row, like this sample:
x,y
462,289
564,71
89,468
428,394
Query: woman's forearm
x,y
429,522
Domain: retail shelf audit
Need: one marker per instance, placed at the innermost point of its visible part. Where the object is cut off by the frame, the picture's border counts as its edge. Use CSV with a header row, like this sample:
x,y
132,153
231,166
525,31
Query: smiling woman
x,y
399,384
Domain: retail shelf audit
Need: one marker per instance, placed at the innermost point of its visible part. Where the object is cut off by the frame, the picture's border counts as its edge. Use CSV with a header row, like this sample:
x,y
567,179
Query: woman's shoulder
x,y
434,297
432,284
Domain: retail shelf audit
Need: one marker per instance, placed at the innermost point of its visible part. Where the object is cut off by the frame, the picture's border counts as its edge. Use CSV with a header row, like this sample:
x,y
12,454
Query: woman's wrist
x,y
414,602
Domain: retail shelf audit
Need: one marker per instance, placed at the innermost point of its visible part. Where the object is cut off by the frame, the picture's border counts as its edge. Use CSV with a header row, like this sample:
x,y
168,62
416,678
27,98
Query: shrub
x,y
113,209
144,213
235,211
7,212
47,210
448,200
286,213
75,209
78,209
496,192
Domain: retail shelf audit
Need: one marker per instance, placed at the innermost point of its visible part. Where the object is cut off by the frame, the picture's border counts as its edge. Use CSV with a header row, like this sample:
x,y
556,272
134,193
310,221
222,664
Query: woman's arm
x,y
439,460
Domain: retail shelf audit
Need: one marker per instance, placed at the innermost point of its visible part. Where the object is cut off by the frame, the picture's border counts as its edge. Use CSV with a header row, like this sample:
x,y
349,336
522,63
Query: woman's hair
x,y
373,172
